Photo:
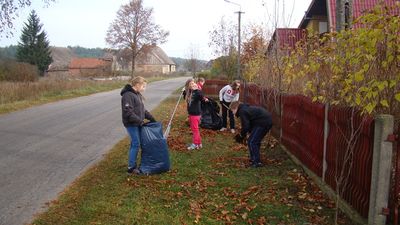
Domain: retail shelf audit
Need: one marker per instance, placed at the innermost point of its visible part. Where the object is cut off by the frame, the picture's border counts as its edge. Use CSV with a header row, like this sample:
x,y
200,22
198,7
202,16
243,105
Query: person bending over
x,y
256,121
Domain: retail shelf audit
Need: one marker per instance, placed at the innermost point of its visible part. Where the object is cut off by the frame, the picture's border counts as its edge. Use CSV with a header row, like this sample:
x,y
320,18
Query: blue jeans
x,y
254,142
135,143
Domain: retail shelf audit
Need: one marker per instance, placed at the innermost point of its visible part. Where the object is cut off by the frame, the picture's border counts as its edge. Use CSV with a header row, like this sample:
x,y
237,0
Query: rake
x,y
166,133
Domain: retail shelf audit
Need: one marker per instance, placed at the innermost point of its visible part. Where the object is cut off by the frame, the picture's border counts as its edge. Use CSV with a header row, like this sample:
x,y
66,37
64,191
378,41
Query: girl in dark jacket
x,y
133,115
194,99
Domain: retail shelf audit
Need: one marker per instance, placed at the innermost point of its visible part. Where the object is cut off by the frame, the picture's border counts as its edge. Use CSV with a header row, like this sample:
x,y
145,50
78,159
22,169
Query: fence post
x,y
326,133
281,115
381,167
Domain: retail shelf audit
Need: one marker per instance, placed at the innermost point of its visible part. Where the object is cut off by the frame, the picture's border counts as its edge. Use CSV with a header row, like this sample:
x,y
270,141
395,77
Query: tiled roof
x,y
287,37
154,56
322,7
359,8
88,63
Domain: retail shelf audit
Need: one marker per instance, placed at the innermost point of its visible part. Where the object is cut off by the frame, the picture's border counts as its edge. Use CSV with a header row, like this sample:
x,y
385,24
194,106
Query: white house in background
x,y
153,60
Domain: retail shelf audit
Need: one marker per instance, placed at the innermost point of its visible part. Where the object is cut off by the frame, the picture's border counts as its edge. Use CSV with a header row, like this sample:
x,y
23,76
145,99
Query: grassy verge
x,y
17,95
208,186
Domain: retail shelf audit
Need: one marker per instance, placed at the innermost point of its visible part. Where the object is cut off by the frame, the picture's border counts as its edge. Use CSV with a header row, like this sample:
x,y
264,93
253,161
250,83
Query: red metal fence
x,y
358,162
302,128
270,100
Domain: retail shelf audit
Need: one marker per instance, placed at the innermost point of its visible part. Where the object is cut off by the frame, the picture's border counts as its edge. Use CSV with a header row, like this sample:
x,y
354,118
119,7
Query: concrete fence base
x,y
381,168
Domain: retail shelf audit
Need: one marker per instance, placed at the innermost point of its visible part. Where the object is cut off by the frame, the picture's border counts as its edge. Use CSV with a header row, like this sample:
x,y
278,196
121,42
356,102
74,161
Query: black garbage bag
x,y
155,155
210,118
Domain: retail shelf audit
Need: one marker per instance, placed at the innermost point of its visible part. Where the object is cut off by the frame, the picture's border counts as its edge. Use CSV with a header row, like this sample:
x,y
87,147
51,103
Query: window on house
x,y
322,27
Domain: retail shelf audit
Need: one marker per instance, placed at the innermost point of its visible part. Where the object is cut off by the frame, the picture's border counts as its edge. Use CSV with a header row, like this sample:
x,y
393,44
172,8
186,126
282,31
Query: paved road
x,y
44,148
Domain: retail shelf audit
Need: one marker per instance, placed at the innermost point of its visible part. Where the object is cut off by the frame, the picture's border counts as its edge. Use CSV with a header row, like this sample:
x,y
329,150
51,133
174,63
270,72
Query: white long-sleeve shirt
x,y
227,94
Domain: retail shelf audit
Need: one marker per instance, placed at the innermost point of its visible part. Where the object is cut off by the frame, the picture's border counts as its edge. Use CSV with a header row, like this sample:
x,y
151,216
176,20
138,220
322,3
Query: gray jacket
x,y
133,111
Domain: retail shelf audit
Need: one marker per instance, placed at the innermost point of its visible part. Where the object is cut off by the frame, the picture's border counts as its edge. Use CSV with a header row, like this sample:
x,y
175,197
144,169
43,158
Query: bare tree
x,y
192,63
9,12
134,29
222,38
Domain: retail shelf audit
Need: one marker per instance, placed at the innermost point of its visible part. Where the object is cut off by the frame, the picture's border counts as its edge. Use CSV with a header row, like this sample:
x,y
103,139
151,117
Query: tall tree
x,y
223,40
34,47
8,12
253,54
192,63
134,29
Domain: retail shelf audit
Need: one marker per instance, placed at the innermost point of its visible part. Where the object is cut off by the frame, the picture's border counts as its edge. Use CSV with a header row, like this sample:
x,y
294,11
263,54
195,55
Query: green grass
x,y
209,186
16,96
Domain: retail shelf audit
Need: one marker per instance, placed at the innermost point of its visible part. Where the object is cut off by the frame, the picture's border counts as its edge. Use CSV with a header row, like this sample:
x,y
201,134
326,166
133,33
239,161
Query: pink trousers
x,y
194,126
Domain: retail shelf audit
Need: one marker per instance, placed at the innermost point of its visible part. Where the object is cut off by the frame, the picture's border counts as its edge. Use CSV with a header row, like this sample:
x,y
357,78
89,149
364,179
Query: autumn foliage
x,y
356,67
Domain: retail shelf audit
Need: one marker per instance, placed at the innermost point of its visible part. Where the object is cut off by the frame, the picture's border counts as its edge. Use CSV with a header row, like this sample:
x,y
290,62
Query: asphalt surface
x,y
43,149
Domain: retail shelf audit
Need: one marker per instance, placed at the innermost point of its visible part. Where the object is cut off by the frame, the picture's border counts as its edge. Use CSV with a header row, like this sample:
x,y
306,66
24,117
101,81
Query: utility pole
x,y
239,67
238,76
239,44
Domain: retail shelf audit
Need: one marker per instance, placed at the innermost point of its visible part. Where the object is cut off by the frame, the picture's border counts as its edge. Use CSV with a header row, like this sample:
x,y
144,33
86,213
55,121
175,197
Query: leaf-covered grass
x,y
208,186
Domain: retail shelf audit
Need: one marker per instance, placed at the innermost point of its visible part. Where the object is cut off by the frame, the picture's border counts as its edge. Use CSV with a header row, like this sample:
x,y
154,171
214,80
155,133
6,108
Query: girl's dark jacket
x,y
251,116
194,103
133,111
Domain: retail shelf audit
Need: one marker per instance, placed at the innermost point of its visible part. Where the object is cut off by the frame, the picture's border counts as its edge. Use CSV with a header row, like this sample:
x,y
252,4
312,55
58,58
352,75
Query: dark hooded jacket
x,y
252,116
194,104
133,111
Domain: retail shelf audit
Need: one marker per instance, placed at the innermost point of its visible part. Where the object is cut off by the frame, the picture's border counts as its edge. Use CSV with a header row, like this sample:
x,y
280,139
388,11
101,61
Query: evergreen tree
x,y
34,47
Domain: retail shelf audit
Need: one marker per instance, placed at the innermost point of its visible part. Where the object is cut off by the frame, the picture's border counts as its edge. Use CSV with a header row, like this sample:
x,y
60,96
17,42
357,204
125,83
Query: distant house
x,y
61,60
153,60
90,67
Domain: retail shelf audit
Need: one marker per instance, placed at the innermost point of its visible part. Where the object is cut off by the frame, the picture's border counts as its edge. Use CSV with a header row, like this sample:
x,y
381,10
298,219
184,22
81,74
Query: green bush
x,y
17,71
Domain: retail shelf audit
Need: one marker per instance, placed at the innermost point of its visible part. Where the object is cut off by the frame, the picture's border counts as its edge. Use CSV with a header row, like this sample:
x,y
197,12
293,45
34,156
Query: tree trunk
x,y
133,64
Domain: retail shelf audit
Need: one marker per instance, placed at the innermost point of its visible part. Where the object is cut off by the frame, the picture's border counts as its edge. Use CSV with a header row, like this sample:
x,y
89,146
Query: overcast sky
x,y
85,22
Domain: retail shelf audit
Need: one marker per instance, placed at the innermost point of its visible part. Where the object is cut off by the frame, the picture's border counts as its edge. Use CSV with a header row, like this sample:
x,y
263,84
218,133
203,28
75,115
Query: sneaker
x,y
192,147
223,129
232,131
199,146
133,170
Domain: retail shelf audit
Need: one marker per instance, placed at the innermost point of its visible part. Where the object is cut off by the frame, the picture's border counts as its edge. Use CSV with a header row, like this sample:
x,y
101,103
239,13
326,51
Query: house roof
x,y
88,63
316,7
287,37
359,8
328,8
61,57
154,55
